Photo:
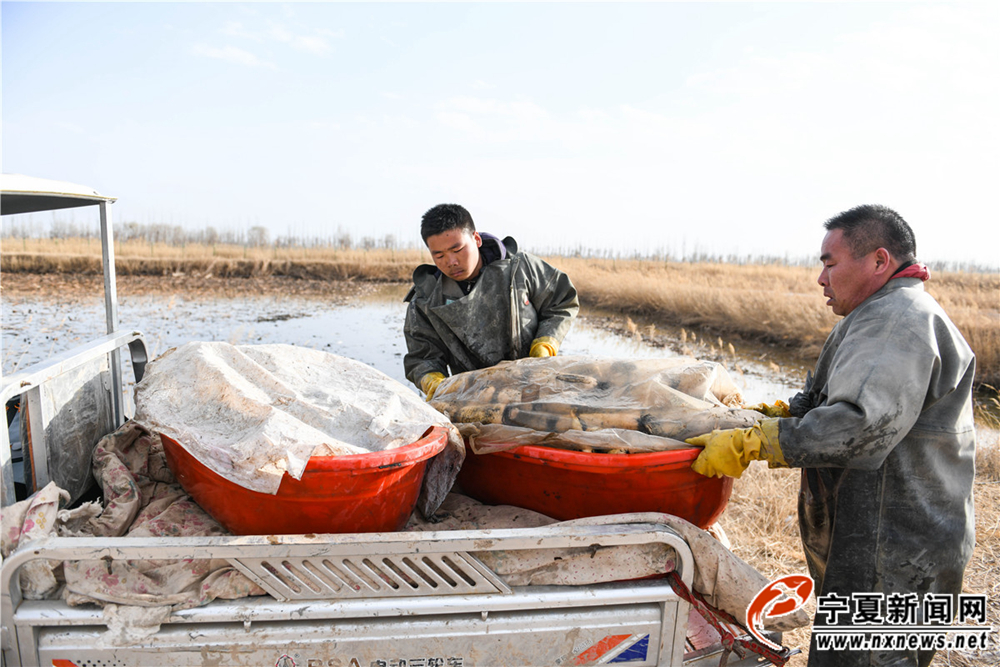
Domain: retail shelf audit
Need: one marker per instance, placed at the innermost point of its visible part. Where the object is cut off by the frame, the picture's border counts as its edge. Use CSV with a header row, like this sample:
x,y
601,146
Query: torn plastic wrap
x,y
254,412
592,404
78,405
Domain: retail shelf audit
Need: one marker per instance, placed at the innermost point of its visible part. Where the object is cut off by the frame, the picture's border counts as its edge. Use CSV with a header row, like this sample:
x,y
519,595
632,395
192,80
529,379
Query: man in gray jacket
x,y
480,303
885,439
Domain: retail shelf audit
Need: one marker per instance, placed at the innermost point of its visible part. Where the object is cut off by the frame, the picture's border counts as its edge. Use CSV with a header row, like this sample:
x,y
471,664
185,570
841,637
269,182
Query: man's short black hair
x,y
870,227
443,218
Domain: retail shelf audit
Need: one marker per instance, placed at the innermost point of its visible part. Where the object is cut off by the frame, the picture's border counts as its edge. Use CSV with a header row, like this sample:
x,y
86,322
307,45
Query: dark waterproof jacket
x,y
886,442
516,299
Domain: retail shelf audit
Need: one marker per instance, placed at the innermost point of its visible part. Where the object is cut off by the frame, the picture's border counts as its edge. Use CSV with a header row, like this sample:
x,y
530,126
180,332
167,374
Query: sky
x,y
680,128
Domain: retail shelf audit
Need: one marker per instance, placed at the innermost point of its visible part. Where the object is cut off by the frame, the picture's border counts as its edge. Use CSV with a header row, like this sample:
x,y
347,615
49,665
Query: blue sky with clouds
x,y
722,127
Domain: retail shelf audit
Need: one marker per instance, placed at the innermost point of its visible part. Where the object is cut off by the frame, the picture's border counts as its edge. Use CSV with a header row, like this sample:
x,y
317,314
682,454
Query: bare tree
x,y
258,236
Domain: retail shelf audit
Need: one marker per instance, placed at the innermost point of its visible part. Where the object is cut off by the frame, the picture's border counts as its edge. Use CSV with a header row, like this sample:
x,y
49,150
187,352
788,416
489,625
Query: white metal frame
x,y
28,384
23,620
22,194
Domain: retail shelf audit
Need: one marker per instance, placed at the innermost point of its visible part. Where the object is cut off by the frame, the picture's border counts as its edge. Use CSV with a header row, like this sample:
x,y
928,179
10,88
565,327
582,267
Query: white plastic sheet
x,y
586,403
253,412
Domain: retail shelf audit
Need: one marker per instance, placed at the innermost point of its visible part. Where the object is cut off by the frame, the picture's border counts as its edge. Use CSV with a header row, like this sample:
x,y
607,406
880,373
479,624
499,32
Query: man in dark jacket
x,y
884,436
480,303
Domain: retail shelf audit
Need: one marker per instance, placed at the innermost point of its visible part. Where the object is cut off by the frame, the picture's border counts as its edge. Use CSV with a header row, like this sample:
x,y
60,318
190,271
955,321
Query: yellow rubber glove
x,y
429,384
779,409
728,453
545,346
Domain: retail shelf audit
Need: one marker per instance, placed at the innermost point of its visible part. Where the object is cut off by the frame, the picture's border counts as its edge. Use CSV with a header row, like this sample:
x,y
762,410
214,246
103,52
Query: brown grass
x,y
775,304
199,251
761,522
83,256
770,303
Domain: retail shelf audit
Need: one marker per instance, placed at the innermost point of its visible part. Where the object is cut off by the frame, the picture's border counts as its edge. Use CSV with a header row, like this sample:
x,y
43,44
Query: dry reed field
x,y
774,304
83,256
769,303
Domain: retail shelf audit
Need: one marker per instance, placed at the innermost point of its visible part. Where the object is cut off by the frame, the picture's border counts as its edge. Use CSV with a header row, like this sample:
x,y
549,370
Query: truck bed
x,y
401,599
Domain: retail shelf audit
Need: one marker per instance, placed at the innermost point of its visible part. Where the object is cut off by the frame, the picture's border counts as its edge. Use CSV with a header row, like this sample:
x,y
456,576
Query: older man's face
x,y
847,281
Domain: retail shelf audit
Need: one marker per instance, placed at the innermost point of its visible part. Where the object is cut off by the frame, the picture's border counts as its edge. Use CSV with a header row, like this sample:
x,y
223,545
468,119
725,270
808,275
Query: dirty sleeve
x,y
886,366
553,295
426,352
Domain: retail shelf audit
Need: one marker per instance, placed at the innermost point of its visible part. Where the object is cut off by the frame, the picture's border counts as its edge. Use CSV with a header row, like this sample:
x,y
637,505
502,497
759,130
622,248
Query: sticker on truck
x,y
615,648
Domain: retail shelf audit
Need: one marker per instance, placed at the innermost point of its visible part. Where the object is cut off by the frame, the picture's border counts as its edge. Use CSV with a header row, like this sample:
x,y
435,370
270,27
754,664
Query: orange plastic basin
x,y
360,493
567,485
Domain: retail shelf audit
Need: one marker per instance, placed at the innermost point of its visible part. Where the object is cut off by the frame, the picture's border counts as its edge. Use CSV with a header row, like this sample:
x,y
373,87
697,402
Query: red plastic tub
x,y
360,493
566,484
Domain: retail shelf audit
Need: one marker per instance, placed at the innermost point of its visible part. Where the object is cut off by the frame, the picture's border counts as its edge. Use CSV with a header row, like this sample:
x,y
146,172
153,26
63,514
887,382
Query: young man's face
x,y
456,253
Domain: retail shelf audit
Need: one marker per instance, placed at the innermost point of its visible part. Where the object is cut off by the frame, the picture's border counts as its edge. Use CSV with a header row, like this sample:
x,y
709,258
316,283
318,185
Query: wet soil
x,y
48,285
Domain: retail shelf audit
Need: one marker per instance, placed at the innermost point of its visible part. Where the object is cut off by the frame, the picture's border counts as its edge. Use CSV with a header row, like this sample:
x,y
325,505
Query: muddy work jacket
x,y
885,439
516,299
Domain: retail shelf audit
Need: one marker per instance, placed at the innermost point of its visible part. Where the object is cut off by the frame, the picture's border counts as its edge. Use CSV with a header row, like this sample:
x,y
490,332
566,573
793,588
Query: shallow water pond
x,y
367,328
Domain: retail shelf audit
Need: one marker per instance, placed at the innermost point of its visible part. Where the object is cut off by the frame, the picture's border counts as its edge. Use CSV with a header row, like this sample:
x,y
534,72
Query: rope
x,y
721,621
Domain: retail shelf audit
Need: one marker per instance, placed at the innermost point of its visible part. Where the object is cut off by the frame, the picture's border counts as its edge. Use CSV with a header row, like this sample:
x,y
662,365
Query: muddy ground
x,y
49,285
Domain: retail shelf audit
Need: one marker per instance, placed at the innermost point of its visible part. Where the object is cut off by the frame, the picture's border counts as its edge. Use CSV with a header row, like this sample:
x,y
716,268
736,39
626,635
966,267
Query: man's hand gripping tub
x,y
429,384
729,452
778,409
544,346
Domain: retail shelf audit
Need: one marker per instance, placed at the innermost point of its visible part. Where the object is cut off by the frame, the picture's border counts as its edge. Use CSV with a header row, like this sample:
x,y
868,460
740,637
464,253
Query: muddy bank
x,y
375,268
48,285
